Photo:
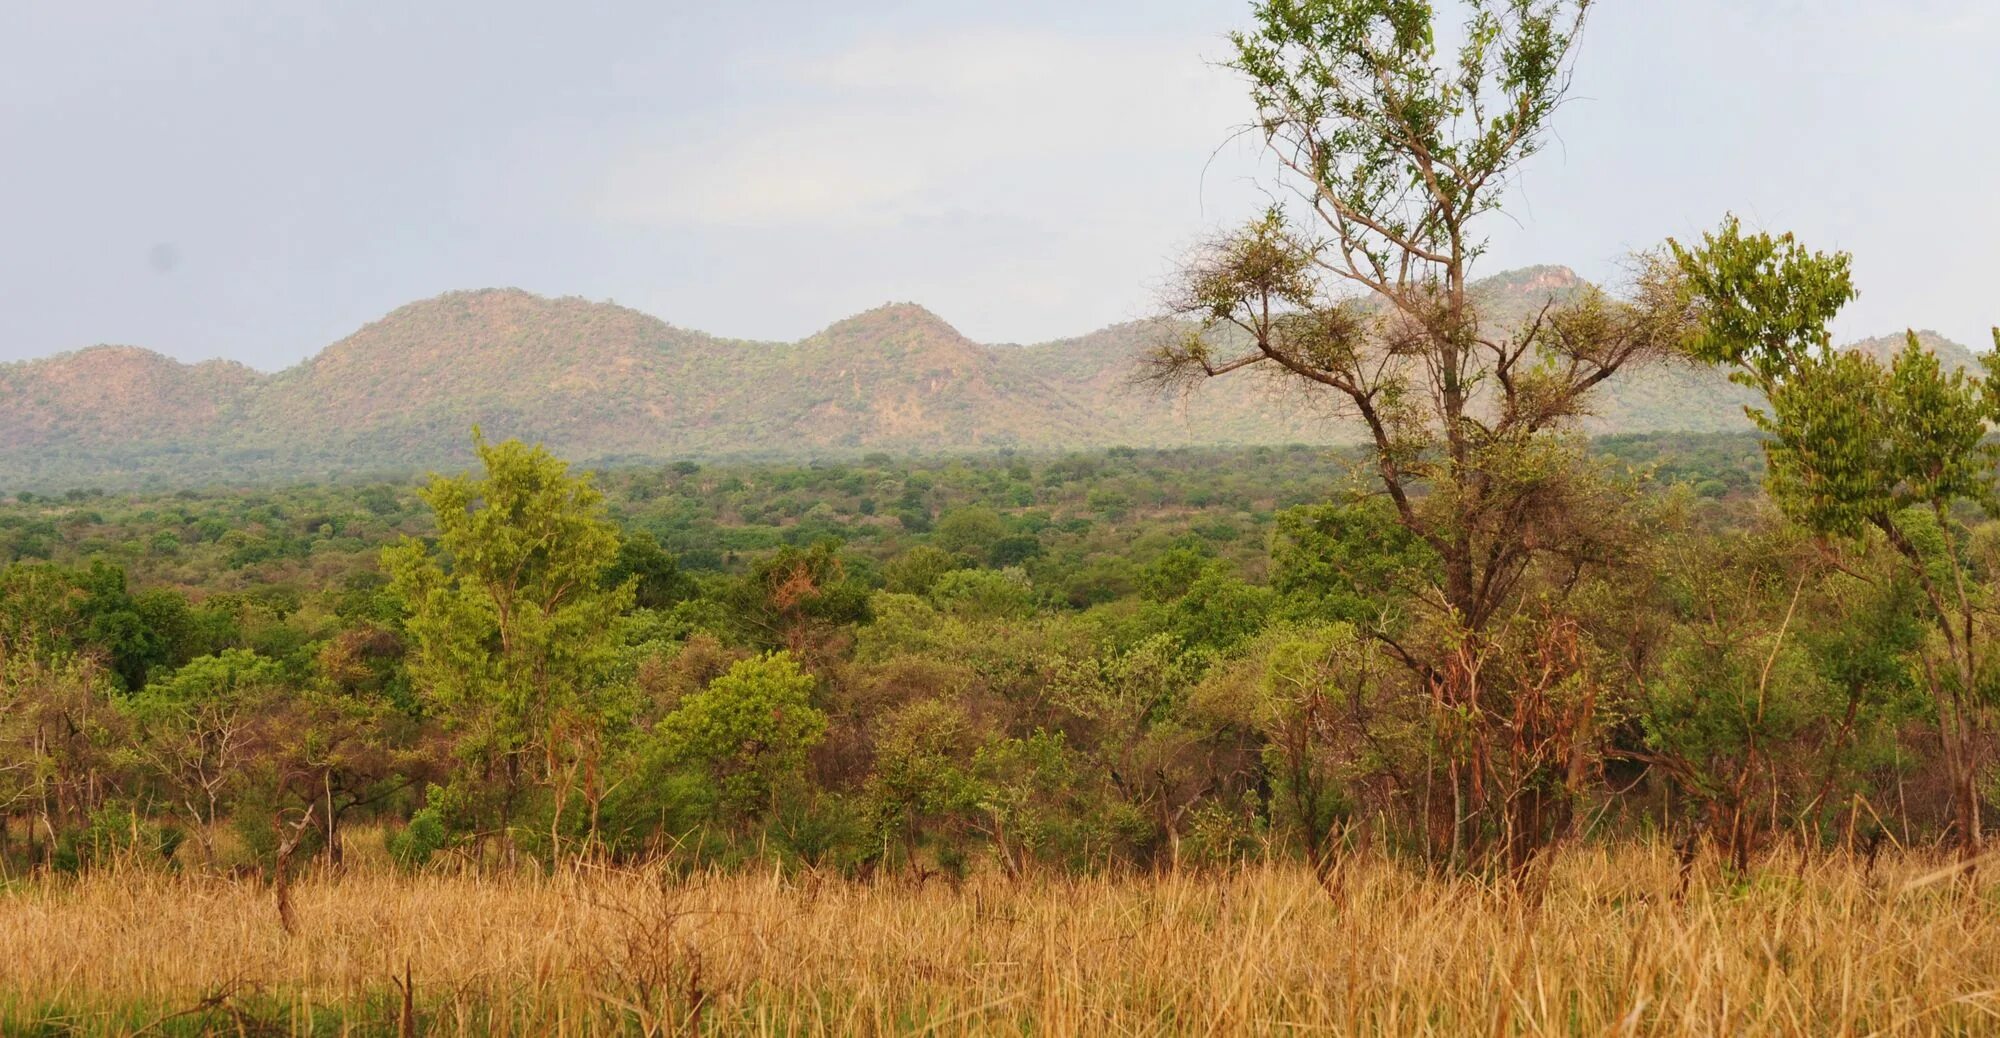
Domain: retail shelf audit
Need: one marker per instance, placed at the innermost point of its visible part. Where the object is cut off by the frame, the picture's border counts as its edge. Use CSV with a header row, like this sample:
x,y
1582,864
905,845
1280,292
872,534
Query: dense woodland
x,y
1125,659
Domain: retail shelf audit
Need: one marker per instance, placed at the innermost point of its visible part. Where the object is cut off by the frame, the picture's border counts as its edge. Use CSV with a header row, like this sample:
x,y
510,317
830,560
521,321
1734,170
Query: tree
x,y
1367,307
749,729
60,609
1734,688
1323,746
1350,562
201,728
1857,448
59,734
923,760
511,628
655,575
327,755
985,593
798,600
969,531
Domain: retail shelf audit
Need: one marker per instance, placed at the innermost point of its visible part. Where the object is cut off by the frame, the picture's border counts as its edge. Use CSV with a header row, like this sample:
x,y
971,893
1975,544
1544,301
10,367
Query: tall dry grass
x,y
1606,948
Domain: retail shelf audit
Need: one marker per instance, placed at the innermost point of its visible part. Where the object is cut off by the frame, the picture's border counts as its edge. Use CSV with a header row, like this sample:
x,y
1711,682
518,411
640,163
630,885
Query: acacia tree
x,y
511,629
1859,448
1399,154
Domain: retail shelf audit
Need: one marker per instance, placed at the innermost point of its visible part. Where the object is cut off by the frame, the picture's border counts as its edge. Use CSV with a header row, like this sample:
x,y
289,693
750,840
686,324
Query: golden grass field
x,y
1818,949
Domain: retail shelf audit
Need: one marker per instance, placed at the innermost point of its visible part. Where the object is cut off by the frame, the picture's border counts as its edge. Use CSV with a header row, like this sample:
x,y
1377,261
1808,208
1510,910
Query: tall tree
x,y
1398,154
511,630
1857,448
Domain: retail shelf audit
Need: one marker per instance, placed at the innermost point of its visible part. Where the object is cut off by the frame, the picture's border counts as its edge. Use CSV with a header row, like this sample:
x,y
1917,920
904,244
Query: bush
x,y
415,845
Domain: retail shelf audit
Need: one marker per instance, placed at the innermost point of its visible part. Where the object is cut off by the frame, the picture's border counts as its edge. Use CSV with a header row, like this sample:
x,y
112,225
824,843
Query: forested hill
x,y
602,383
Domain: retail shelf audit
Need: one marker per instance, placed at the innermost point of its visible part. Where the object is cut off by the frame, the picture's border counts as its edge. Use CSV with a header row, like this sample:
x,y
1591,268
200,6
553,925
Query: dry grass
x,y
1607,950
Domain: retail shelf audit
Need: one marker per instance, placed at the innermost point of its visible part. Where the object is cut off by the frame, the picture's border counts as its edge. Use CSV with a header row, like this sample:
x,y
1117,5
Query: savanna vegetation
x,y
524,723
1477,726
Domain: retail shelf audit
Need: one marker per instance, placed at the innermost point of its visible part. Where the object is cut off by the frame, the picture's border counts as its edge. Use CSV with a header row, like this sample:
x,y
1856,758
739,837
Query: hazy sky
x,y
255,180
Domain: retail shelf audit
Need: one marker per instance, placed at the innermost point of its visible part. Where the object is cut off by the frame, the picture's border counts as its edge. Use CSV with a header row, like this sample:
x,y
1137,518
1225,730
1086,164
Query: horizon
x,y
1976,347
1030,173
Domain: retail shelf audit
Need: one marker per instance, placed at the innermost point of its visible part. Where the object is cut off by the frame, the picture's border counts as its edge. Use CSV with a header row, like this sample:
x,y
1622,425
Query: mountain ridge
x,y
601,382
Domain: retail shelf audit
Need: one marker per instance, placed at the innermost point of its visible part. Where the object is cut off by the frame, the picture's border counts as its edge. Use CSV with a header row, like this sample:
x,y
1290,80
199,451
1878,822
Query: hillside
x,y
600,382
1953,356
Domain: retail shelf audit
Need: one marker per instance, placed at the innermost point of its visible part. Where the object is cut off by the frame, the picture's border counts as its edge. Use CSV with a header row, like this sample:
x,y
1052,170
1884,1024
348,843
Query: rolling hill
x,y
603,383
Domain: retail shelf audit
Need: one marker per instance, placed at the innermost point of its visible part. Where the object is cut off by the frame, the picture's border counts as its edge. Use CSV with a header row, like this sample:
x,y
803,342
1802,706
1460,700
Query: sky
x,y
253,181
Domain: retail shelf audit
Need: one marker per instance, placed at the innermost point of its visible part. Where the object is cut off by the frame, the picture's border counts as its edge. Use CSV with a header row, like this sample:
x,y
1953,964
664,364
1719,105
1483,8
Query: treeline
x,y
1128,659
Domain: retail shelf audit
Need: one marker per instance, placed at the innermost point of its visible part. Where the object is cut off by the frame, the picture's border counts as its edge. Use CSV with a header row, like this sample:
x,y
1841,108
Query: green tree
x,y
61,609
1313,713
60,739
917,570
749,730
922,776
1860,447
511,630
655,575
969,531
991,594
1351,562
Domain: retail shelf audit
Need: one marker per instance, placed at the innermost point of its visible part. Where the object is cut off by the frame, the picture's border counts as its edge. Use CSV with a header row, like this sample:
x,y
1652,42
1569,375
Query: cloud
x,y
901,130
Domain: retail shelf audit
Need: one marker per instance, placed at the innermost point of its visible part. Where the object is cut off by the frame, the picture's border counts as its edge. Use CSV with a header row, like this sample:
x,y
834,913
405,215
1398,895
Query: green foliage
x,y
985,594
1345,562
1764,301
511,629
1151,691
918,570
969,531
1859,447
413,846
60,609
1854,441
654,575
1390,117
819,829
1218,611
922,774
208,679
1169,576
115,835
749,730
790,600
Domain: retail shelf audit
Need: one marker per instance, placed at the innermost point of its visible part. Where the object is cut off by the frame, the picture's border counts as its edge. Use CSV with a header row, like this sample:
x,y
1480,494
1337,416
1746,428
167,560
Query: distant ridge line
x,y
599,380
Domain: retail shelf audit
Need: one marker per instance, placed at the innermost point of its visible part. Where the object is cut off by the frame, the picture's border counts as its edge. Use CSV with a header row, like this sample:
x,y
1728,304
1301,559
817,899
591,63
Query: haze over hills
x,y
599,382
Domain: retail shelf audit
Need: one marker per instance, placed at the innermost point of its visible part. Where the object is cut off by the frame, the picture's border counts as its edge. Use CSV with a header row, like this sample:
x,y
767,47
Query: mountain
x,y
589,378
599,382
1951,355
110,395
